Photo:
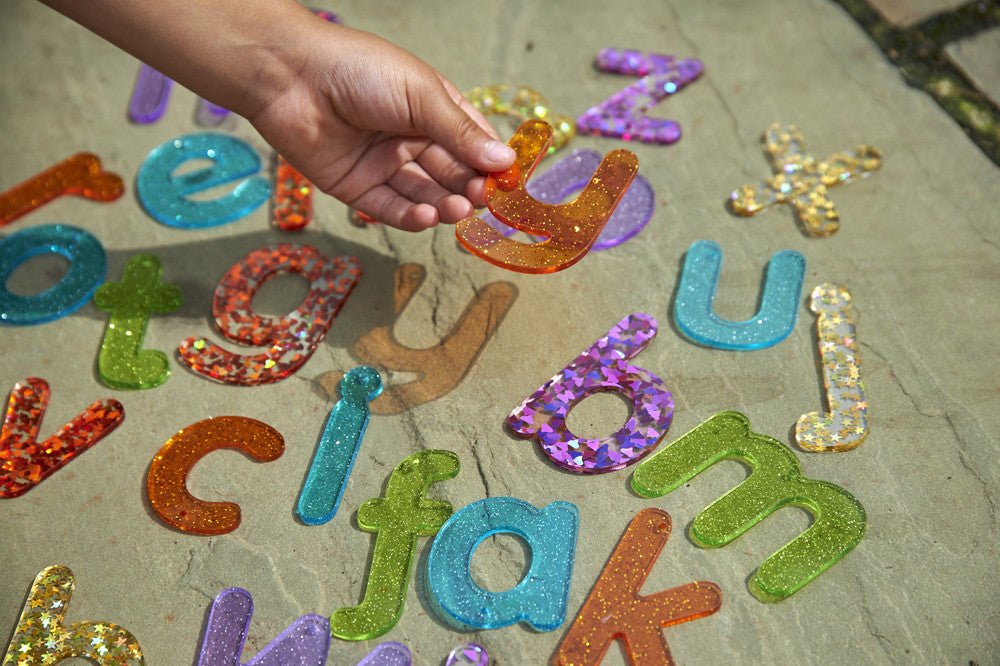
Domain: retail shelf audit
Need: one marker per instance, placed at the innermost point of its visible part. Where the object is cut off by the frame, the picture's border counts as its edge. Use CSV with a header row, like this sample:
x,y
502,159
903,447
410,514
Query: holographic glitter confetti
x,y
695,315
569,229
292,201
470,654
802,181
624,114
440,368
166,483
42,637
397,519
291,339
80,175
165,196
539,599
571,174
122,363
846,424
87,266
521,105
24,462
614,609
602,367
389,653
775,482
305,642
149,96
338,447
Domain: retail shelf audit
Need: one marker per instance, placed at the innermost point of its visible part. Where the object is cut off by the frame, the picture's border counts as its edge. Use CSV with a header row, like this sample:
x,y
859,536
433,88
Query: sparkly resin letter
x,y
389,653
521,105
80,175
440,368
846,424
614,609
306,641
470,654
802,181
166,196
539,599
775,318
775,482
569,229
291,339
292,201
149,96
42,637
603,367
338,446
624,114
87,265
122,363
24,462
398,519
167,480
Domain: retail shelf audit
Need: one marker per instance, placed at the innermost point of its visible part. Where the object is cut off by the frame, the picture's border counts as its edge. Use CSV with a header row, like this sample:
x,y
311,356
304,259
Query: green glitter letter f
x,y
775,482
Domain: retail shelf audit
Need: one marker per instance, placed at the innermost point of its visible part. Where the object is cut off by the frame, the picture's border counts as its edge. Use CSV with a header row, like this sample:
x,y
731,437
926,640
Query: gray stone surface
x,y
979,56
918,248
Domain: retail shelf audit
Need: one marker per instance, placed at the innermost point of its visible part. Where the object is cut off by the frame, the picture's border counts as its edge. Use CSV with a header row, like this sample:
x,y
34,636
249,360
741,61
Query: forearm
x,y
237,53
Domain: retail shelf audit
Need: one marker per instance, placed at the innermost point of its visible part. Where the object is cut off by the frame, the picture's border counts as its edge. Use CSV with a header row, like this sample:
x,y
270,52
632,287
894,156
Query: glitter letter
x,y
87,265
624,114
79,175
774,320
470,654
397,520
538,599
291,339
440,368
150,95
521,105
389,653
602,367
24,462
846,424
338,446
166,483
569,229
122,363
292,201
614,609
42,637
306,641
165,196
775,482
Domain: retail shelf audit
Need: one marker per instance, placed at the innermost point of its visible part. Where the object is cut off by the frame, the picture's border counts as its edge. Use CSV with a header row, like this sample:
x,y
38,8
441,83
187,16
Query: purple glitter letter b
x,y
602,367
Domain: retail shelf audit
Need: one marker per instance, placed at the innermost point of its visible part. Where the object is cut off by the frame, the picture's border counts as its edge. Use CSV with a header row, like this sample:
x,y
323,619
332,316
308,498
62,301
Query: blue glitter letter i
x,y
338,446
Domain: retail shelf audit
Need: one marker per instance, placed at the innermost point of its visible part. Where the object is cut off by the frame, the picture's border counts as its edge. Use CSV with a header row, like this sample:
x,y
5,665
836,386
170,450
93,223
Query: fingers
x,y
413,183
467,106
387,206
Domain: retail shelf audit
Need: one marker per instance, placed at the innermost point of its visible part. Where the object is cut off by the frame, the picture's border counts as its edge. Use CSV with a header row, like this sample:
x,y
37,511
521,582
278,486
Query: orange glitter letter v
x,y
167,480
569,229
80,174
25,462
614,609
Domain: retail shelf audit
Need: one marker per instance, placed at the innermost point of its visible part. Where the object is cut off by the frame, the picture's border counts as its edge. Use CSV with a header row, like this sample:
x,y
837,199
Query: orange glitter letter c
x,y
167,480
570,229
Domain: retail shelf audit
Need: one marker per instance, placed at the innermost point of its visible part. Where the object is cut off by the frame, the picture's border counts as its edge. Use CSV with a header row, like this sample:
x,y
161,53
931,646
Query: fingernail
x,y
499,153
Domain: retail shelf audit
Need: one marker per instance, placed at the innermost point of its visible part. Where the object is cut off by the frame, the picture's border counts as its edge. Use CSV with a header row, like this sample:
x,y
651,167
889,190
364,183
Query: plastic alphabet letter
x,y
25,462
569,229
522,104
338,447
87,265
601,367
775,482
165,196
42,636
846,424
539,598
292,201
614,609
122,363
150,95
624,114
398,519
80,175
440,368
774,320
166,483
305,642
292,339
469,654
389,653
